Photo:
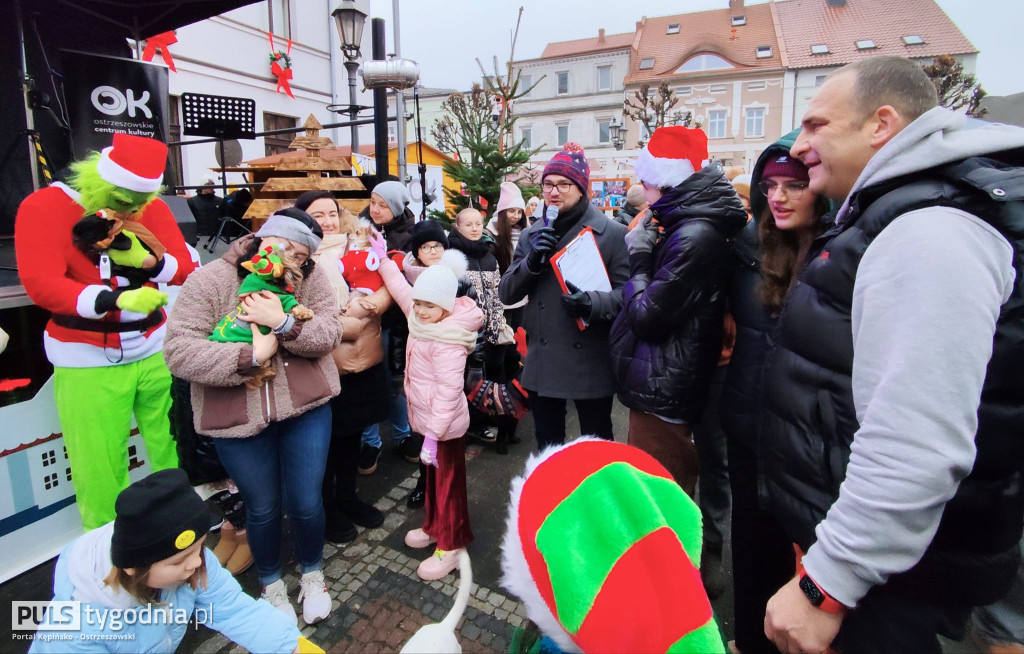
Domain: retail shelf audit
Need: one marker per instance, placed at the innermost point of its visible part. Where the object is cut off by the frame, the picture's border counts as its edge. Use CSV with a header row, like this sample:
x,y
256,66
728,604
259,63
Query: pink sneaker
x,y
439,564
418,538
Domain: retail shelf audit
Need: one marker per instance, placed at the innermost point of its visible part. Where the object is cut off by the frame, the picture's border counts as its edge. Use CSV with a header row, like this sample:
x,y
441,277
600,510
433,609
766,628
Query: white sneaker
x,y
316,602
277,594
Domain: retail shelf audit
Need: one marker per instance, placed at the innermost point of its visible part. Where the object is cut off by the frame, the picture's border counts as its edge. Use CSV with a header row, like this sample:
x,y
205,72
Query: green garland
x,y
275,56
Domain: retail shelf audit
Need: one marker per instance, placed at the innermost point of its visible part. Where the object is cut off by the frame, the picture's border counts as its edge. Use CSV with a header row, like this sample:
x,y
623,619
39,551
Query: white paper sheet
x,y
582,265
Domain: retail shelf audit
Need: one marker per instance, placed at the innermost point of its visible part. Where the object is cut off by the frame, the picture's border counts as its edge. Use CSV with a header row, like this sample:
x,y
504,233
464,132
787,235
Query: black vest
x,y
808,419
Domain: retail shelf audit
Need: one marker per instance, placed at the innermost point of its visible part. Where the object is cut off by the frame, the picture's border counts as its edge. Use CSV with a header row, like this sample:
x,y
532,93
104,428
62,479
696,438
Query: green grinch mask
x,y
97,193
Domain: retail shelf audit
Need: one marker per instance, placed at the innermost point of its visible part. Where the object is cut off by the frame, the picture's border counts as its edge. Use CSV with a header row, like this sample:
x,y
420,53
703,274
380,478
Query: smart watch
x,y
818,597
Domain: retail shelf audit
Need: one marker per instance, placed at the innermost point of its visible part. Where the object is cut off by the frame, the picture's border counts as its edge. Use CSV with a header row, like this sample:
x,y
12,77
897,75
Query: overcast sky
x,y
446,37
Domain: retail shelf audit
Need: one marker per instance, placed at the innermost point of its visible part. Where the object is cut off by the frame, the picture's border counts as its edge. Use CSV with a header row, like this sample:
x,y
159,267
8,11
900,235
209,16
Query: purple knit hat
x,y
570,163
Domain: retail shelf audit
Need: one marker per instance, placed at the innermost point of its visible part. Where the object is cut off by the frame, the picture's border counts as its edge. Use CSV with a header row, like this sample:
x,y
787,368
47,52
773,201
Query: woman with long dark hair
x,y
769,252
508,222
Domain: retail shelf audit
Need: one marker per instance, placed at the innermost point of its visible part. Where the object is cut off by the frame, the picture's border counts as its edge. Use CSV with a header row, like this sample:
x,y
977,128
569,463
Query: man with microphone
x,y
564,362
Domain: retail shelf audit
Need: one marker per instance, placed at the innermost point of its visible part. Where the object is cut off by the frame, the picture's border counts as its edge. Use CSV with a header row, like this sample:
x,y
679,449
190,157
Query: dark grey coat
x,y
561,360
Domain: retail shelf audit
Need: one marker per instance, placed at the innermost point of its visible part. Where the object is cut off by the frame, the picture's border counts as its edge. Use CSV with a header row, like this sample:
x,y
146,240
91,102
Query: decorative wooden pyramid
x,y
280,191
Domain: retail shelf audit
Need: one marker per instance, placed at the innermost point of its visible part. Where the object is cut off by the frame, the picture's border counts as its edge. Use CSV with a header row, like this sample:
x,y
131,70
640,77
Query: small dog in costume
x,y
273,270
360,264
603,547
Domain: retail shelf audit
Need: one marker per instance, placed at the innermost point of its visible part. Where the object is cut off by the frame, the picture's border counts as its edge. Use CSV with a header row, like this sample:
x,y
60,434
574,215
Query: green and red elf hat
x,y
603,548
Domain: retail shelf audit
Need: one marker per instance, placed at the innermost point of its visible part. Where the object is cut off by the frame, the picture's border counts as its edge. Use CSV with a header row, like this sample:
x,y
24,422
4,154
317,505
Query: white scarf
x,y
439,332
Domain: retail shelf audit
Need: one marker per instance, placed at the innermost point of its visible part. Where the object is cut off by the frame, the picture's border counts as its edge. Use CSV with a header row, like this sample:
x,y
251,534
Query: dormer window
x,y
647,63
764,51
673,29
913,39
866,44
737,21
821,48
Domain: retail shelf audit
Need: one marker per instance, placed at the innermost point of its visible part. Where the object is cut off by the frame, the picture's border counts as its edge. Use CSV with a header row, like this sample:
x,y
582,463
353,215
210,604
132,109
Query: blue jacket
x,y
252,623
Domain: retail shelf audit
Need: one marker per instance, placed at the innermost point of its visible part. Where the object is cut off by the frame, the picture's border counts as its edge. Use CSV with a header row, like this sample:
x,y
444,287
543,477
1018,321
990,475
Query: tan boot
x,y
242,558
226,545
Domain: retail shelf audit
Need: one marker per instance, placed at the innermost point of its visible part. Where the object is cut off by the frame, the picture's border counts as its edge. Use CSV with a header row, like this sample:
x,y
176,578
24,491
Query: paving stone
x,y
390,555
363,576
377,534
372,567
408,483
213,645
373,584
436,585
384,504
477,604
499,643
482,594
308,630
482,620
509,605
521,610
336,587
438,613
238,649
486,637
354,585
357,568
329,550
397,493
515,620
393,521
346,578
501,614
336,568
378,550
393,567
344,596
471,631
357,550
495,600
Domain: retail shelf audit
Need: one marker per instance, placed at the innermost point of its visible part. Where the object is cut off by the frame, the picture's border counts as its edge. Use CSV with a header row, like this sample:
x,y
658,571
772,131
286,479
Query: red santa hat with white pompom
x,y
135,163
673,154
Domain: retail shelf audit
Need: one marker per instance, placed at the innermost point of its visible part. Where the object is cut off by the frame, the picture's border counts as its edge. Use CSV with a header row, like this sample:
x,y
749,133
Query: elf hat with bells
x,y
266,264
603,547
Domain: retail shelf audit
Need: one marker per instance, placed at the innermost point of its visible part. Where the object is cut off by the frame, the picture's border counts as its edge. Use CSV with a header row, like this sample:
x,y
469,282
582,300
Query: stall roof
x,y
134,18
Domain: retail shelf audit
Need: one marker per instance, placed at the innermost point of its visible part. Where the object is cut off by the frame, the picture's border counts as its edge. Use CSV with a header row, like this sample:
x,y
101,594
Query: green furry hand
x,y
133,256
143,300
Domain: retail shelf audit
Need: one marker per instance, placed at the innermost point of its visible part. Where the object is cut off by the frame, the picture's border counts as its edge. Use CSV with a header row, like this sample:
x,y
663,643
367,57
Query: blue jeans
x,y
399,412
287,460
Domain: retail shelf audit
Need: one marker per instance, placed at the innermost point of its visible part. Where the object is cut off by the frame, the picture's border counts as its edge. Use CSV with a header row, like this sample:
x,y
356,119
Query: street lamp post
x,y
615,132
350,20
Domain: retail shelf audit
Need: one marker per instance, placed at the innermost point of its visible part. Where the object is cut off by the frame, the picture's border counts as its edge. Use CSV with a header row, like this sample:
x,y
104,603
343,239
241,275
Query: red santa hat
x,y
673,154
133,162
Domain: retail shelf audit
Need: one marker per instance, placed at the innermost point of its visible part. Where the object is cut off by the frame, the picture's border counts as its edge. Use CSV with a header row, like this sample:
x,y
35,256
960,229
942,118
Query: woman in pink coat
x,y
442,332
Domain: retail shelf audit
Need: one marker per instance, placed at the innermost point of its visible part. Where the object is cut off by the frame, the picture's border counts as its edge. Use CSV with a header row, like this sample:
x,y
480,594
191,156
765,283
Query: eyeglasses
x,y
563,187
436,247
792,190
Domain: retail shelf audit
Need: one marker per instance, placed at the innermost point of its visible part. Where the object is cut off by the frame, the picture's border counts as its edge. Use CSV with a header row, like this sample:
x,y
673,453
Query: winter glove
x,y
133,256
143,300
640,242
428,453
378,245
542,246
577,303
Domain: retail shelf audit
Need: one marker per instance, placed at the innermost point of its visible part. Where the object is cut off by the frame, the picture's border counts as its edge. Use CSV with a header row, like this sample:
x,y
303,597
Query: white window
x,y
280,18
684,90
821,48
563,134
526,136
756,86
865,44
525,82
704,62
819,79
562,82
913,39
719,88
604,78
604,134
716,124
673,29
739,20
647,63
392,132
764,51
644,132
755,122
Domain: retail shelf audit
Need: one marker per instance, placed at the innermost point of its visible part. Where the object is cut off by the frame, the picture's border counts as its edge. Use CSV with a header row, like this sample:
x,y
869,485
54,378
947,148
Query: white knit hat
x,y
511,198
437,285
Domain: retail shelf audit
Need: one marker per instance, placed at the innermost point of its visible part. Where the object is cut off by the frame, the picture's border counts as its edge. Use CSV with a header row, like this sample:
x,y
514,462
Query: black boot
x,y
345,498
418,496
339,529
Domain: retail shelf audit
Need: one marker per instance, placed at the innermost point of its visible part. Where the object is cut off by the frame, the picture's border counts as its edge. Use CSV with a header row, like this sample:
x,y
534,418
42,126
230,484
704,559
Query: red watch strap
x,y
828,604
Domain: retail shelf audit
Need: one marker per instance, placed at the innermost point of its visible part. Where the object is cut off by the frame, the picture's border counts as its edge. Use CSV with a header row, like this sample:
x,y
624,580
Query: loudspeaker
x,y
183,216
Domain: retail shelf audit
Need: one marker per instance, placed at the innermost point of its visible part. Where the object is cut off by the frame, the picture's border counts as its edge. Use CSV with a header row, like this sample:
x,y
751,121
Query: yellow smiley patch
x,y
185,539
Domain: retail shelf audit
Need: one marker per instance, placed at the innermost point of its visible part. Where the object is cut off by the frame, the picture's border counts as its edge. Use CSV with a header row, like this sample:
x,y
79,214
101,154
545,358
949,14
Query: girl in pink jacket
x,y
442,332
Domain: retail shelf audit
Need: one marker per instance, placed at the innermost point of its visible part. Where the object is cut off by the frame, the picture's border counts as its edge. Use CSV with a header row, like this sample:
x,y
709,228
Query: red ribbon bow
x,y
283,75
160,41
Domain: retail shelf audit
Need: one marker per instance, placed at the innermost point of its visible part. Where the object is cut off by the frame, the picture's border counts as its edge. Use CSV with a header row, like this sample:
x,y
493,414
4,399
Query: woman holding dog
x,y
273,439
363,400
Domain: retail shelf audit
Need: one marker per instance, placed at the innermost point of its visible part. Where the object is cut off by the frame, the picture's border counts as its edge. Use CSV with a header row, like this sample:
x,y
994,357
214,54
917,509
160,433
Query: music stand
x,y
220,117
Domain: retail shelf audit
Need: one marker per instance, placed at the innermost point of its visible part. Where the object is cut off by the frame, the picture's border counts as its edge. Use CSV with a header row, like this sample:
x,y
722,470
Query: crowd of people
x,y
823,353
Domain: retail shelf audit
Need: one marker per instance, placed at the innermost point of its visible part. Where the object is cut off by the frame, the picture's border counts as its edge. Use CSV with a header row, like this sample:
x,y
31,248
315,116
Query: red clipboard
x,y
587,232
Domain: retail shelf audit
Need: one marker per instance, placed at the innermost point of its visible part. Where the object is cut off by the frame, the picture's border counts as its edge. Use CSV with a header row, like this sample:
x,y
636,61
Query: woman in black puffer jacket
x,y
667,340
767,256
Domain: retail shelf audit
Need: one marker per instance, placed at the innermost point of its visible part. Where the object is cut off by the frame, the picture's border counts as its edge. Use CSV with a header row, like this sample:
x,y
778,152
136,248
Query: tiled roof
x,y
584,46
706,31
804,23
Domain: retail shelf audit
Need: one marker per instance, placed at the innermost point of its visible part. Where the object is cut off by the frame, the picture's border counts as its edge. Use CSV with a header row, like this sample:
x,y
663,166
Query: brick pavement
x,y
379,602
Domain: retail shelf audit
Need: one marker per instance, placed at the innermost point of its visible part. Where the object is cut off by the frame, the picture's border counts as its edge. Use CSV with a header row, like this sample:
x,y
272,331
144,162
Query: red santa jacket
x,y
63,280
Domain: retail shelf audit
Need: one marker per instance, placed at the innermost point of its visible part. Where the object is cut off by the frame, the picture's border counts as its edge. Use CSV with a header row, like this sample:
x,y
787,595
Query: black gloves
x,y
542,246
577,302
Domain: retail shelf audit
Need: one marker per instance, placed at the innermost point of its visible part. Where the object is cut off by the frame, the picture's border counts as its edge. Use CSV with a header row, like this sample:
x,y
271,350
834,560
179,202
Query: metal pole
x,y
351,65
380,106
30,122
419,154
399,101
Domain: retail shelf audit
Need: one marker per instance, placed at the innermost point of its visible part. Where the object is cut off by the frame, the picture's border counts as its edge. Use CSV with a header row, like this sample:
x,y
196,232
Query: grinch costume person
x,y
106,331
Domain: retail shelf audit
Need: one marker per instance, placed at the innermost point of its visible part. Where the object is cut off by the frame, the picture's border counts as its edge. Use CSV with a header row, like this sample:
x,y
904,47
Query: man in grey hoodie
x,y
894,403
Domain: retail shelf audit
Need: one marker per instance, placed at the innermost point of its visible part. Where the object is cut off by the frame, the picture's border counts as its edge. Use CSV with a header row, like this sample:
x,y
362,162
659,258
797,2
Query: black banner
x,y
108,95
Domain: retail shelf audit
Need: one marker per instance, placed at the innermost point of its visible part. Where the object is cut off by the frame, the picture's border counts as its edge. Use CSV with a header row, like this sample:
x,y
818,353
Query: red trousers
x,y
447,506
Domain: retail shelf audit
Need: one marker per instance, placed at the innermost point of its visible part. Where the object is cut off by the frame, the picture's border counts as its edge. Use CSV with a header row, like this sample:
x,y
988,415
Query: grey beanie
x,y
395,194
284,226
